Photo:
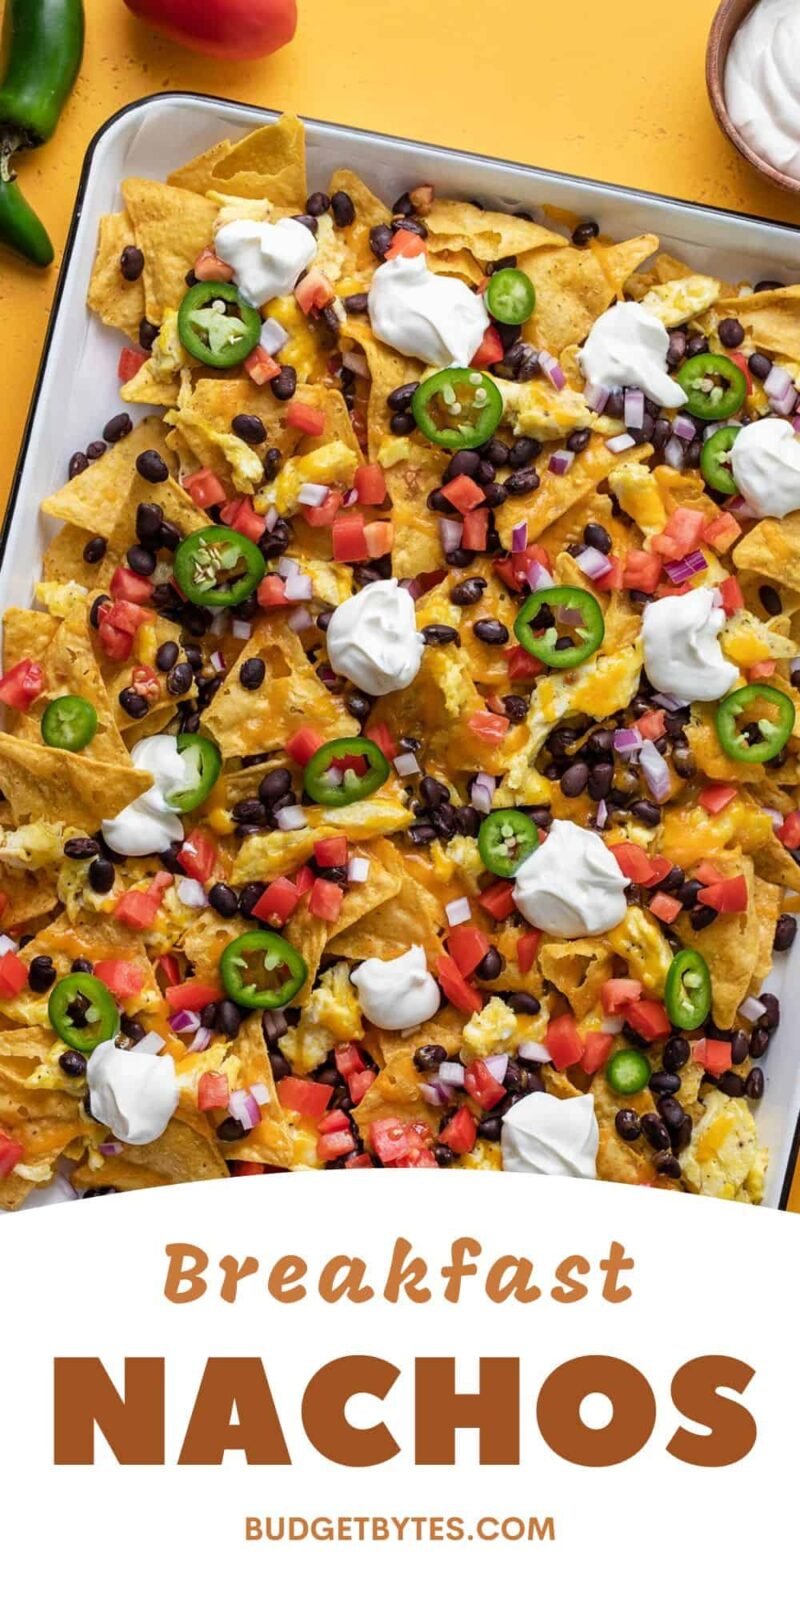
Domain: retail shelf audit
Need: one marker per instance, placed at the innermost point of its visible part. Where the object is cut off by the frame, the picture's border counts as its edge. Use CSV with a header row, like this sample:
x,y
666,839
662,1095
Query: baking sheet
x,y
77,388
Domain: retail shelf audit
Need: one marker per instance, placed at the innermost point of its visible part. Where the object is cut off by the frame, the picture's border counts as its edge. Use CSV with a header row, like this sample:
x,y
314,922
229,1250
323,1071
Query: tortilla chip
x,y
244,722
771,319
488,235
40,783
186,1152
197,173
70,668
268,855
772,549
370,211
573,287
93,499
172,227
118,303
25,895
93,939
63,561
456,264
396,1089
26,634
577,968
768,899
269,164
413,916
556,495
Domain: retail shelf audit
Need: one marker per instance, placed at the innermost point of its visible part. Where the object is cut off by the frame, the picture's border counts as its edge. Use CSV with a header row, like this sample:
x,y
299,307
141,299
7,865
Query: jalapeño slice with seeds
x,y
458,408
715,459
575,610
687,992
203,758
262,971
69,723
628,1072
510,297
216,326
505,840
82,1011
714,387
763,736
345,770
218,567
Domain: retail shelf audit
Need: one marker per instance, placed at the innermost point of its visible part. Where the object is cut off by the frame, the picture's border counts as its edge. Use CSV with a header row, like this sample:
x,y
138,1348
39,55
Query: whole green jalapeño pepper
x,y
82,1011
216,326
218,567
345,770
714,387
505,840
262,971
539,619
762,737
458,408
687,992
42,46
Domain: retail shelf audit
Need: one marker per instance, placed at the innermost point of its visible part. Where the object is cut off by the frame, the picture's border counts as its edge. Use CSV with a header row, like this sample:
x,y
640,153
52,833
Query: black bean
x,y
402,424
523,482
250,810
380,239
223,899
252,673
141,561
740,1047
101,876
465,463
317,203
494,495
355,304
41,974
284,386
400,399
96,449
275,786
671,1111
676,1054
759,1042
434,793
490,967
697,345
422,833
770,600
766,284
152,467
95,550
628,1126
272,466
655,1131
77,464
344,212
772,1011
460,558
668,1166
468,821
615,404
731,1084
229,1018
469,592
585,232
731,332
429,1057
667,1083
646,812
595,535
179,680
166,655
131,263
518,1000
516,707
754,1084
490,631
702,917
230,1130
785,930
677,348
148,333
575,779
523,451
73,1063
601,778
81,848
249,428
760,365
496,453
439,633
578,439
308,221
118,428
134,704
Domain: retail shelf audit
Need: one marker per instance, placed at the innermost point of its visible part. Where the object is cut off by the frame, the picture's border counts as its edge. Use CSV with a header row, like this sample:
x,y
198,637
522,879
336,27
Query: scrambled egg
x,y
331,463
246,466
637,492
724,1158
681,299
331,1015
639,940
60,598
458,855
541,412
600,687
302,350
35,845
235,208
497,1029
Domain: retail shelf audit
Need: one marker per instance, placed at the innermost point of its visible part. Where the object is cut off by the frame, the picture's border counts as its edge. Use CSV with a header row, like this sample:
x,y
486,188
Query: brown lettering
x,y
228,1382
325,1402
494,1411
558,1411
85,1398
732,1430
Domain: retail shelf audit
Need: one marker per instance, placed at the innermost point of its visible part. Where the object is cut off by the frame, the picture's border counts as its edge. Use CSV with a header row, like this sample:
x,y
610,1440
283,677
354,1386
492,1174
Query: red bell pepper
x,y
272,592
239,514
633,861
642,570
685,530
138,908
324,516
348,1059
760,671
460,1133
476,530
665,907
651,725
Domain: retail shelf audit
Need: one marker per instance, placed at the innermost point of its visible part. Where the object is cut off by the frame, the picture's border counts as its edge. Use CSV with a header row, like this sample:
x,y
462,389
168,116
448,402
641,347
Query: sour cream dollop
x,y
553,1138
372,638
149,824
267,258
397,994
571,886
132,1092
762,83
424,314
682,653
627,348
765,462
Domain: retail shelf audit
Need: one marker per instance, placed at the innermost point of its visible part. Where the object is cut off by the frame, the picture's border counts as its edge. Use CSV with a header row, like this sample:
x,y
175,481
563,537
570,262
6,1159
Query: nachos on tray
x,y
400,761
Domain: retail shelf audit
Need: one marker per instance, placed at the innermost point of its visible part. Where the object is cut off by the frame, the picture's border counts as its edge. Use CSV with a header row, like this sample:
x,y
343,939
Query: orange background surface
x,y
612,91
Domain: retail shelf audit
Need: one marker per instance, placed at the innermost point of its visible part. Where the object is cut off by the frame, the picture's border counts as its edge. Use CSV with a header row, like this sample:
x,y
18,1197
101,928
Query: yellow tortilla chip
x,y
577,968
730,945
396,1088
197,173
268,855
70,668
118,303
39,782
93,499
172,227
26,635
186,1152
269,164
63,561
772,549
771,319
556,495
413,916
244,722
488,235
573,287
768,900
25,895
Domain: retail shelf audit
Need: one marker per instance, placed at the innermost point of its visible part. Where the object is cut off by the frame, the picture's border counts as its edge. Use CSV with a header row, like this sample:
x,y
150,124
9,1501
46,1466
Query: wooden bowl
x,y
728,19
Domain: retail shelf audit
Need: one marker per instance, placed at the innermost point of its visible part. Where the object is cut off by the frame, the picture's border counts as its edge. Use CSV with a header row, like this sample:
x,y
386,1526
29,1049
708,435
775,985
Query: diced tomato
x,y
665,907
125,617
334,1122
597,1048
685,530
714,1055
728,896
239,514
124,978
613,579
332,1146
22,685
314,292
130,362
205,488
213,1092
564,1042
145,681
708,872
515,569
138,908
261,367
463,493
307,419
198,855
325,900
660,867
482,1086
304,880
169,970
370,484
460,993
617,993
115,644
476,530
732,597
13,975
379,539
789,831
651,725
633,861
127,585
488,727
642,570
276,904
489,350
359,1082
272,592
722,532
192,995
521,664
358,1162
208,268
332,852
356,764
303,1095
648,1018
760,670
349,544
348,1059
303,744
717,796
498,899
741,362
323,516
11,1151
468,946
527,948
460,1133
248,1169
380,735
405,243
394,1141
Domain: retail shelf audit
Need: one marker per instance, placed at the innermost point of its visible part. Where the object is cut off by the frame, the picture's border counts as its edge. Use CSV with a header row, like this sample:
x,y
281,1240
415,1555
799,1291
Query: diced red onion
x,y
451,534
634,408
217,661
290,818
785,406
519,537
597,397
669,702
202,1039
191,893
777,383
458,911
612,1025
301,620
298,587
273,336
776,817
245,1108
7,945
111,1147
436,1093
312,494
241,629
552,370
687,567
482,792
593,562
357,869
151,1044
752,1009
620,442
260,1093
561,461
530,1050
287,567
711,429
452,1073
218,624
185,1021
739,508
656,771
350,498
602,814
684,428
406,764
270,518
674,454
497,1065
626,740
538,576
356,362
414,586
